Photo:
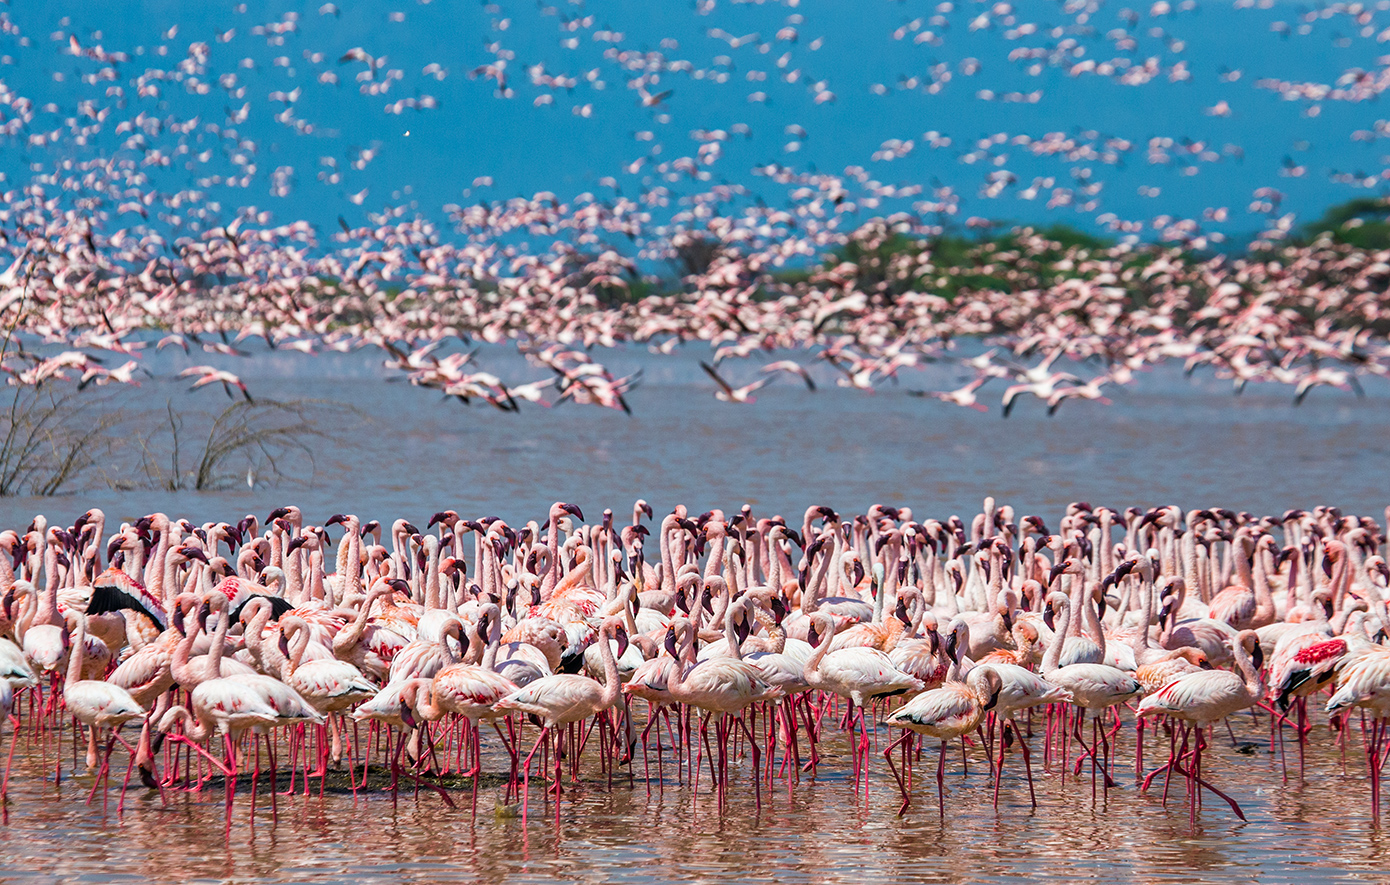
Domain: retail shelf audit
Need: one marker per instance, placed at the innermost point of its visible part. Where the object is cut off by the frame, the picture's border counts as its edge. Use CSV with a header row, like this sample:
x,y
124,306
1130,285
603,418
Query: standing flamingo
x,y
1202,698
946,713
566,698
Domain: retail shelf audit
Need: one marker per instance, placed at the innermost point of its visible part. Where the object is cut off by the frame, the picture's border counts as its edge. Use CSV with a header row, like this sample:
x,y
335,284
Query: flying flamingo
x,y
728,394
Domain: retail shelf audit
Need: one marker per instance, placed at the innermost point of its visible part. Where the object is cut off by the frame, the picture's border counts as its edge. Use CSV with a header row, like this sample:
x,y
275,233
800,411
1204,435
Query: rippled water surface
x,y
1168,439
1317,831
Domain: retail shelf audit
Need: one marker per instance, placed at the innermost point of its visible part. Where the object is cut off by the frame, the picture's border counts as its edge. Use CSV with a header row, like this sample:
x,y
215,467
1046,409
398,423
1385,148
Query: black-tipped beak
x,y
741,630
1056,573
621,637
400,586
410,528
951,643
707,601
812,636
1327,566
1049,618
779,609
277,513
438,517
573,511
858,571
336,519
670,643
993,699
203,614
295,544
408,716
1257,656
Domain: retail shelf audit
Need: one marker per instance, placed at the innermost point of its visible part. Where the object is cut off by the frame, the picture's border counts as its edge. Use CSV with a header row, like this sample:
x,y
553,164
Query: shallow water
x,y
1167,439
820,831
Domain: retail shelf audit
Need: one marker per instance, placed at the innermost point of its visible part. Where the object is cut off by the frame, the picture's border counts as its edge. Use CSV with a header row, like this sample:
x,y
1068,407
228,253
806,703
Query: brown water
x,y
821,831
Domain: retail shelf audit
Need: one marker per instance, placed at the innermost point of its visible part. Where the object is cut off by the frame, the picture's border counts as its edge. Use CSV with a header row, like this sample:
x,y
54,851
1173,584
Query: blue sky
x,y
428,158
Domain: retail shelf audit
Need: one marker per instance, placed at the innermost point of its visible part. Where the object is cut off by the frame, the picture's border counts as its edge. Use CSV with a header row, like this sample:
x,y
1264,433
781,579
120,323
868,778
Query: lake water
x,y
822,831
1167,439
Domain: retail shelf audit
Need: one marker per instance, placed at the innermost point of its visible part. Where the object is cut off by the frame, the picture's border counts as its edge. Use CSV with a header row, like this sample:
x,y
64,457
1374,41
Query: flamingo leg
x,y
888,754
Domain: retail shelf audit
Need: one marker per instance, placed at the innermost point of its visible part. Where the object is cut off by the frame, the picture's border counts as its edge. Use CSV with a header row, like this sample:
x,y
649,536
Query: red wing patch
x,y
1321,651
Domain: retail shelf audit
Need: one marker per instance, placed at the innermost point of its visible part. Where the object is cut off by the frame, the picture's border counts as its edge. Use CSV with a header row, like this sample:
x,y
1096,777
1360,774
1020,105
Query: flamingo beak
x,y
1257,656
1049,618
1056,573
408,716
1327,566
813,636
951,643
858,571
621,637
779,609
670,643
993,699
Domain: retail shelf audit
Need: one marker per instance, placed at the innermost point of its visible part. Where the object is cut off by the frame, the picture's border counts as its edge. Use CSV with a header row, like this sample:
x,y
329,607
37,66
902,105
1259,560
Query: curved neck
x,y
78,651
1054,648
730,632
812,668
1247,669
612,688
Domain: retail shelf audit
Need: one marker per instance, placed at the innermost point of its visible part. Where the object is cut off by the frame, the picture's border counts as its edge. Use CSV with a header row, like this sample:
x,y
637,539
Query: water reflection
x,y
819,832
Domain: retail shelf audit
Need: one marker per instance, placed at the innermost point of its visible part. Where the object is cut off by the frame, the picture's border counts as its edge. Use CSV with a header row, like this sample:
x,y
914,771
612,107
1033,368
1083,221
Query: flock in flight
x,y
723,642
139,218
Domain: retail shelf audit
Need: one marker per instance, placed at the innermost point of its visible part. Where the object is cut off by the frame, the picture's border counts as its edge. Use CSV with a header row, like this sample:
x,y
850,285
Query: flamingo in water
x,y
1201,699
724,685
95,703
857,673
944,713
565,698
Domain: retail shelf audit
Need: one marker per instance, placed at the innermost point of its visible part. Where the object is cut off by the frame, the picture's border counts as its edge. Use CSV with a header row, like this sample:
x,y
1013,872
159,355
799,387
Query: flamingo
x,y
95,703
1094,687
722,685
1202,698
945,713
565,698
859,674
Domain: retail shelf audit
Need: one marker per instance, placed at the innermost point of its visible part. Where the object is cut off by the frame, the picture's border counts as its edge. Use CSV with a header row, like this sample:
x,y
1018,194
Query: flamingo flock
x,y
134,220
265,647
